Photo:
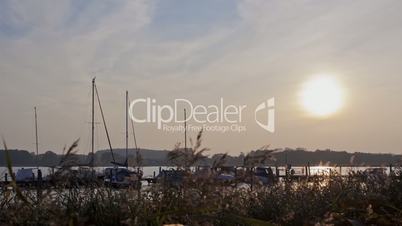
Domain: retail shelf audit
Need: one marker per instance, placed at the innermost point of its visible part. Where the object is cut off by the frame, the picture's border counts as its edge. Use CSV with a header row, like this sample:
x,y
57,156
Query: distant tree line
x,y
159,157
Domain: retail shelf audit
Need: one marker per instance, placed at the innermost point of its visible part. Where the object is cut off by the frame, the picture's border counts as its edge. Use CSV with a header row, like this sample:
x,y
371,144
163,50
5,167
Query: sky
x,y
244,51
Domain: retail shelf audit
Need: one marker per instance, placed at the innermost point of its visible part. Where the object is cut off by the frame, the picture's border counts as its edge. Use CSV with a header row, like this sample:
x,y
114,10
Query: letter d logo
x,y
269,105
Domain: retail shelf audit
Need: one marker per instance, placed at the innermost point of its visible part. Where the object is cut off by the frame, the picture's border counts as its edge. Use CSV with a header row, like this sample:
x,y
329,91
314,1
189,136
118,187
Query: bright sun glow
x,y
322,96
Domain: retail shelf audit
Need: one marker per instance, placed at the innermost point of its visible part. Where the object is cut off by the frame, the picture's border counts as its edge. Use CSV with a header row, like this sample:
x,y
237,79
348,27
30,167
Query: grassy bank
x,y
352,200
358,199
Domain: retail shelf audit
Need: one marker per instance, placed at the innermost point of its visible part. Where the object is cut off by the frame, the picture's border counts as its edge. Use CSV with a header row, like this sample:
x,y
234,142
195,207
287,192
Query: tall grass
x,y
357,199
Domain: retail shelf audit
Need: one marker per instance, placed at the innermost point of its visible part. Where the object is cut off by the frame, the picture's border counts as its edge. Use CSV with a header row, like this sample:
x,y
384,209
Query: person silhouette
x,y
271,177
39,175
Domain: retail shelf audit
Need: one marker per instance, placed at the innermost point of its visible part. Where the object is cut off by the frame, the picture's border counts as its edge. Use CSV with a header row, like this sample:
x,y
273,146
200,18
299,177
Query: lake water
x,y
150,171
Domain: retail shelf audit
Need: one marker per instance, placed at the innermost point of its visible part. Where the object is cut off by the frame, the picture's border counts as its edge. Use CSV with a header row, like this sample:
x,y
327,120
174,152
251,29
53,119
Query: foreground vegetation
x,y
358,199
354,200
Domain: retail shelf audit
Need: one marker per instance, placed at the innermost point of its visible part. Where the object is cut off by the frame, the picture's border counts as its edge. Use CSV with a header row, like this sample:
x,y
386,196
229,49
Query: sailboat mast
x,y
137,151
93,124
36,139
126,128
134,138
104,124
185,131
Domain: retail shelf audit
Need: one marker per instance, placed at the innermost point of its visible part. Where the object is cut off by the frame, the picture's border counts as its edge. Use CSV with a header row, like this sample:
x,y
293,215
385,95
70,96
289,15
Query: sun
x,y
322,96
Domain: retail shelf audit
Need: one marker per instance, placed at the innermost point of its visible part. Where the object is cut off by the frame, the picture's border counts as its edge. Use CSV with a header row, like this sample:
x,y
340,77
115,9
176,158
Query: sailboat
x,y
27,175
85,172
78,172
82,173
120,175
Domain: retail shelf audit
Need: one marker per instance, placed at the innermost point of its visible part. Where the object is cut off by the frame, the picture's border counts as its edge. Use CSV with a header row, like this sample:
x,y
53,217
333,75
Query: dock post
x,y
390,169
235,172
287,171
252,178
277,172
306,169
